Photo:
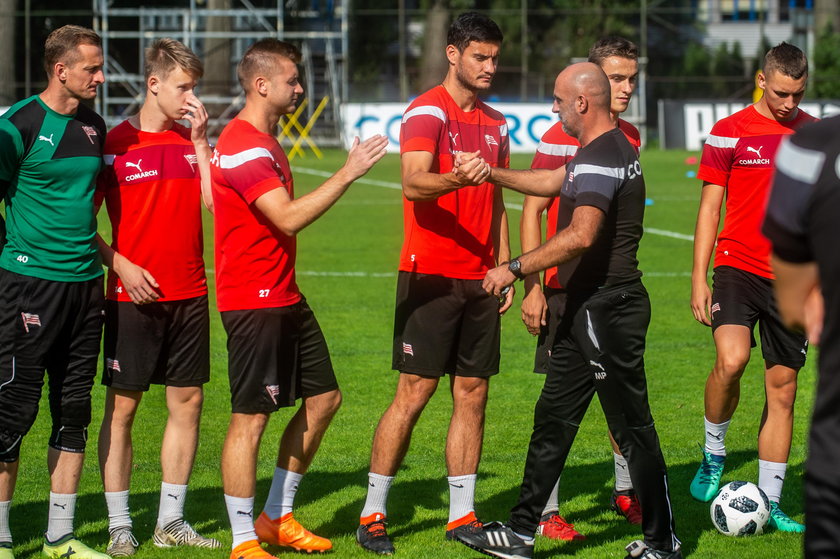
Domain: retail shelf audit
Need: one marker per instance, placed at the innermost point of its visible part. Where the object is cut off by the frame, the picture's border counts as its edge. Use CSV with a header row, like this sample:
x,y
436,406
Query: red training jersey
x,y
556,148
451,236
739,156
255,262
152,189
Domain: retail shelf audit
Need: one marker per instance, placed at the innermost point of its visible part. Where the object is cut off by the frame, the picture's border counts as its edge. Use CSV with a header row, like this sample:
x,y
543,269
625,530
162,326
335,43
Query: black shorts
x,y
159,343
445,326
276,356
50,326
742,298
556,301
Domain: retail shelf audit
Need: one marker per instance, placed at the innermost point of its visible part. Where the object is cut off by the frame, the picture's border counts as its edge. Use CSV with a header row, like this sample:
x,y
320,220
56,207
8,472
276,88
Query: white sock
x,y
553,503
622,473
171,506
62,510
281,496
118,514
5,532
716,437
461,496
377,494
771,478
241,514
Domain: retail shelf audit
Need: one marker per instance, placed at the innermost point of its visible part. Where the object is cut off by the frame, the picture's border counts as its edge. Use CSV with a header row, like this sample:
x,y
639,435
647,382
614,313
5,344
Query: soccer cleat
x,y
782,522
706,482
626,503
287,532
554,527
373,536
68,546
123,543
6,550
468,523
179,533
498,540
250,550
640,550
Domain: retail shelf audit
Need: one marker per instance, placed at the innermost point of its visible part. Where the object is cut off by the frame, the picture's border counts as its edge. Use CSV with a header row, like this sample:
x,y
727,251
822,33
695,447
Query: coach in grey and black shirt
x,y
600,340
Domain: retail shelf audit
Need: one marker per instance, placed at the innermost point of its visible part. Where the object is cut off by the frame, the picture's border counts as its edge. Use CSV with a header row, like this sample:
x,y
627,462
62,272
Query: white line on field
x,y
510,206
313,273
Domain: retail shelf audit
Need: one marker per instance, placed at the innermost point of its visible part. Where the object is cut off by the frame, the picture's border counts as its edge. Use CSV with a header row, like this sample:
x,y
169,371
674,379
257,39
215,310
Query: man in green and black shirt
x,y
51,296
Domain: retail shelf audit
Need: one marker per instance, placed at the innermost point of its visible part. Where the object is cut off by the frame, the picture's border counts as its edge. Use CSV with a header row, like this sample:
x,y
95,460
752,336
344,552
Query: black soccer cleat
x,y
497,540
640,550
373,537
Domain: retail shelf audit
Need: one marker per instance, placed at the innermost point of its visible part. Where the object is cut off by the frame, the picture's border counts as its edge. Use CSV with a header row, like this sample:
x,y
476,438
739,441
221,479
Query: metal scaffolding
x,y
319,27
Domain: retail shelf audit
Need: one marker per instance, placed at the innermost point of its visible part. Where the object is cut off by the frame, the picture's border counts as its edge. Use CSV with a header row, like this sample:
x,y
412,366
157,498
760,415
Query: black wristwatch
x,y
515,268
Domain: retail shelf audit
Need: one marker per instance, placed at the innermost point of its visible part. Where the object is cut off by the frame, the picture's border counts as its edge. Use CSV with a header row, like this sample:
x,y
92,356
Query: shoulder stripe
x,y
503,130
721,141
584,169
560,150
237,159
429,110
798,163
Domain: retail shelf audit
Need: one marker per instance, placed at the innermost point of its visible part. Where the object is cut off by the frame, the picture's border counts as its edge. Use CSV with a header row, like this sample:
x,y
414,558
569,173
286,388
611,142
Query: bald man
x,y
600,341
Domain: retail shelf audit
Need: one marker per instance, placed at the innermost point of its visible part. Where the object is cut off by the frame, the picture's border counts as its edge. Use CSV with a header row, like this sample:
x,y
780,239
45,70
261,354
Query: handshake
x,y
470,169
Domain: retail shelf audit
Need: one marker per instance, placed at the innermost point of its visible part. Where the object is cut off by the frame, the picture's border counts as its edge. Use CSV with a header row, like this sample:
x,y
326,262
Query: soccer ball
x,y
740,509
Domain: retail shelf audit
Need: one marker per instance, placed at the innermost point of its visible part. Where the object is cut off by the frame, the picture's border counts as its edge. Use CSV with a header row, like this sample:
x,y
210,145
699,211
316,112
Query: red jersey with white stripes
x,y
451,235
152,189
556,148
739,155
255,262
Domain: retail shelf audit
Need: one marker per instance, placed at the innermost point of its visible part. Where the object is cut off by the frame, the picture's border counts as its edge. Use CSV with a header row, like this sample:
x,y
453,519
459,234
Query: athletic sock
x,y
716,437
5,532
771,478
526,539
281,496
118,513
461,496
241,514
622,473
60,521
553,503
171,506
377,495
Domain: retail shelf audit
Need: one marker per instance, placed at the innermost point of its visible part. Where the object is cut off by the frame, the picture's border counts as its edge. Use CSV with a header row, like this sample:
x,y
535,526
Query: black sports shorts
x,y
445,326
556,301
276,356
159,343
742,298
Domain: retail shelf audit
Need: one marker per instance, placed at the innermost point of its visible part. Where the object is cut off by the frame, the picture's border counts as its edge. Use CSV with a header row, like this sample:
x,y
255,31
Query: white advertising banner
x,y
526,122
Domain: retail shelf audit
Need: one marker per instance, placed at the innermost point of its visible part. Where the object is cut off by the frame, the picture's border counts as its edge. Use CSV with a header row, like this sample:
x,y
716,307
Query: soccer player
x,y
51,277
600,341
542,306
737,164
455,230
802,225
276,350
157,327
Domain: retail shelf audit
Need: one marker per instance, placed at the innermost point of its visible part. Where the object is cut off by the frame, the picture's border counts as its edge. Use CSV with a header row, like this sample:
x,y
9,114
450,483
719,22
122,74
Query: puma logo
x,y
45,139
777,476
62,507
714,436
756,151
135,165
454,138
173,496
249,513
457,485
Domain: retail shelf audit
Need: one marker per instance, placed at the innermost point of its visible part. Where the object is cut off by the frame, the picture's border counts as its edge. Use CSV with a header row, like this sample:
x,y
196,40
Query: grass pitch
x,y
347,269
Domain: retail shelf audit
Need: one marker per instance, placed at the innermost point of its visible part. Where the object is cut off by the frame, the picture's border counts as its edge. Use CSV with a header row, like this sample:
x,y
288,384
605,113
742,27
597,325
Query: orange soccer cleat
x,y
288,532
250,550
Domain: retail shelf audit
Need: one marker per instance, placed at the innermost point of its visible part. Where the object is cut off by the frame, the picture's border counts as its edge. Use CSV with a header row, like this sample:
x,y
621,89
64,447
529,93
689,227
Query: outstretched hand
x,y
364,155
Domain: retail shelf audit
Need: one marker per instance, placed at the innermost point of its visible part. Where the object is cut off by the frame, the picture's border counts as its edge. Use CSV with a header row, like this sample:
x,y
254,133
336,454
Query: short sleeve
x,y
421,128
11,150
252,172
718,156
596,185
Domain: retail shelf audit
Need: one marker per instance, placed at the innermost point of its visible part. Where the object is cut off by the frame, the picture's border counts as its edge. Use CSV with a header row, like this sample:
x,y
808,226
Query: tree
x,y
825,81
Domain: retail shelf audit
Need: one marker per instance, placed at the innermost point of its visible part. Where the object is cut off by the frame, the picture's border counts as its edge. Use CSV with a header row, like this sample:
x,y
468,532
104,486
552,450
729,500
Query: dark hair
x,y
164,55
786,59
63,43
606,47
260,57
472,26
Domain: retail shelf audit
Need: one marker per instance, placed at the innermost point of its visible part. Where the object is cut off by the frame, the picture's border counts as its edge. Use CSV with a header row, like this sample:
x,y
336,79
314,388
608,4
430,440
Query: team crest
x,y
491,141
113,365
192,159
30,320
90,131
273,391
407,349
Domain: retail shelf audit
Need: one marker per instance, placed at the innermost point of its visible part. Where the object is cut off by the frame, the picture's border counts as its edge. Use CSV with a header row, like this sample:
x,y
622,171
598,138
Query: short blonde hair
x,y
259,59
62,45
164,55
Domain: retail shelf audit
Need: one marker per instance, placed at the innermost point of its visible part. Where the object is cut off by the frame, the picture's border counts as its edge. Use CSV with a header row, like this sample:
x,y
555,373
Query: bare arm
x,y
562,247
534,306
705,234
799,297
419,183
291,215
138,282
536,182
501,239
197,117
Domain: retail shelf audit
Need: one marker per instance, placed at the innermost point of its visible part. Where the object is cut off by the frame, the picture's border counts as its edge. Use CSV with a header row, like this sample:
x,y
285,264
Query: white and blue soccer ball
x,y
740,509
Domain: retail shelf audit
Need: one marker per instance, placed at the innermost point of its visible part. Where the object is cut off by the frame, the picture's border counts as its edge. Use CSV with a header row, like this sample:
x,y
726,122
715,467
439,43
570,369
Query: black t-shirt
x,y
803,224
605,174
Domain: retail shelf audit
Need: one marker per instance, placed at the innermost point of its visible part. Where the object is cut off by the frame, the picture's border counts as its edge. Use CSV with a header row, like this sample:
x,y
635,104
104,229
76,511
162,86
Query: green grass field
x,y
346,267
